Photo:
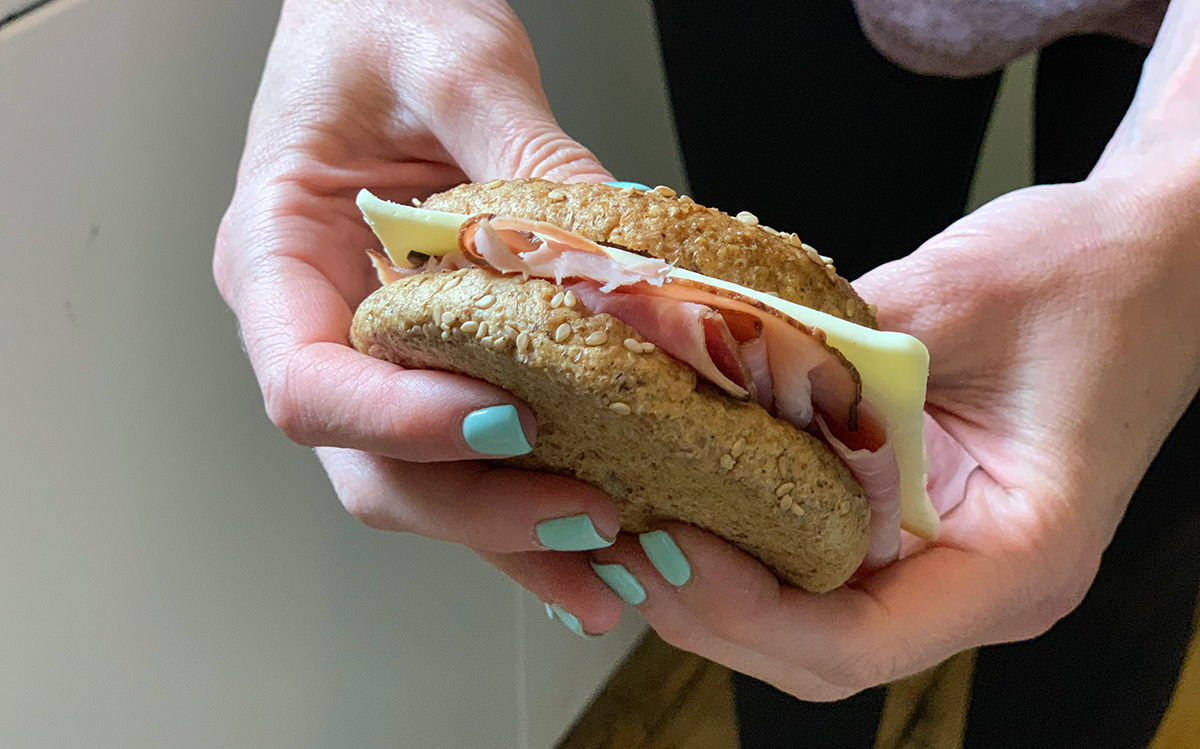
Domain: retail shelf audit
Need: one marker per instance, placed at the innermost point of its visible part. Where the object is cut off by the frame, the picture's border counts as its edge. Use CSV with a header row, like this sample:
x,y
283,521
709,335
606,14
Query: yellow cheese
x,y
404,229
894,367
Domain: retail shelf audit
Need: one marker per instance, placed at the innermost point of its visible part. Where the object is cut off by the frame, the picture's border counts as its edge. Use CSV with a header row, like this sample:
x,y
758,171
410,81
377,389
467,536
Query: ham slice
x,y
793,350
877,472
692,333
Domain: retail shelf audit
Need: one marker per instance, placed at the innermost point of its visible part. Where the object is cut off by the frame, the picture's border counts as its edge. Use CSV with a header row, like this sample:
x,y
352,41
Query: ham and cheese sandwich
x,y
693,365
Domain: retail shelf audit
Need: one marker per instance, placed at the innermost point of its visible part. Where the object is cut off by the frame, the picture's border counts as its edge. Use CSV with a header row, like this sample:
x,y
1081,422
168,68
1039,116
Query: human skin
x,y
1059,319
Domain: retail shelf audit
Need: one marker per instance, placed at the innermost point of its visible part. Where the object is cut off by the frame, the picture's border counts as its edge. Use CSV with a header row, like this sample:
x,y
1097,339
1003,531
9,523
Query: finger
x,y
706,617
493,117
566,582
319,391
473,503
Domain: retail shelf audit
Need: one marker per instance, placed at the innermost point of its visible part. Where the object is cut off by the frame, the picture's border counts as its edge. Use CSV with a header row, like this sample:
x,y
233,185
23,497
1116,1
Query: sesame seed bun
x,y
614,411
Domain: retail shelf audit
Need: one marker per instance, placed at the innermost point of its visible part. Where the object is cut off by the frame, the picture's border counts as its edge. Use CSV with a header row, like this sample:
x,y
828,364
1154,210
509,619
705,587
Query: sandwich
x,y
696,366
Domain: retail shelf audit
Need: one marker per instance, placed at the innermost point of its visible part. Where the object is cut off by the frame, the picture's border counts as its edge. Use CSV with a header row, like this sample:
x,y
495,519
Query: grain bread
x,y
613,411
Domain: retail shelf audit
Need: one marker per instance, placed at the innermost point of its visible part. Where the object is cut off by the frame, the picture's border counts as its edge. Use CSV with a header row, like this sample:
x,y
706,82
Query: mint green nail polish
x,y
622,582
570,620
574,533
666,557
549,611
634,185
495,431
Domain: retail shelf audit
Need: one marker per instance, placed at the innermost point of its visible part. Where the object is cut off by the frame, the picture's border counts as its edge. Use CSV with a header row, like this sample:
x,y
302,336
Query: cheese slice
x,y
894,367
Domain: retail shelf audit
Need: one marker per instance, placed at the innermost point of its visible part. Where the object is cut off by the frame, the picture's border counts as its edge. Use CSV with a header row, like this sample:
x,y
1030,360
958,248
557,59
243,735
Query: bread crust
x,y
634,423
673,228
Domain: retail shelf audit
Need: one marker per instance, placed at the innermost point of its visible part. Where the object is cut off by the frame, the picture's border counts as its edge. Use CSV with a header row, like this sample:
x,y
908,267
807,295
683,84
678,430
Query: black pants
x,y
784,109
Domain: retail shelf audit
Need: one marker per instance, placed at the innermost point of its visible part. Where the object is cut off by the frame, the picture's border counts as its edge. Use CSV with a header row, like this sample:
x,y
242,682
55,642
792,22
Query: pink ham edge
x,y
675,327
879,475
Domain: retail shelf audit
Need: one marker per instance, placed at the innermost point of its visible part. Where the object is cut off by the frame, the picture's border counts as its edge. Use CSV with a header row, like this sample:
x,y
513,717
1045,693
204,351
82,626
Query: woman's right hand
x,y
403,97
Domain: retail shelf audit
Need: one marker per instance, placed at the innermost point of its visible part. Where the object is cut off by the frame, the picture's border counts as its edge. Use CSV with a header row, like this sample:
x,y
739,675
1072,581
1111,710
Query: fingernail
x,y
568,619
575,533
495,431
622,582
666,557
634,185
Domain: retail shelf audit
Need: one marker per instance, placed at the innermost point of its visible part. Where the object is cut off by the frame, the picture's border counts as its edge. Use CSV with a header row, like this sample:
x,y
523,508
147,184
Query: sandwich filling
x,y
749,349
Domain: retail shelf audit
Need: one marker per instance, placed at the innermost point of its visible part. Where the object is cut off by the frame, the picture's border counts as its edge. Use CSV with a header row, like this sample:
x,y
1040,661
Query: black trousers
x,y
784,109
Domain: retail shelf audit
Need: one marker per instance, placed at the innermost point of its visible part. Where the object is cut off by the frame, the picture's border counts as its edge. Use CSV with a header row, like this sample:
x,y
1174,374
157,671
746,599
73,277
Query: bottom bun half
x,y
629,419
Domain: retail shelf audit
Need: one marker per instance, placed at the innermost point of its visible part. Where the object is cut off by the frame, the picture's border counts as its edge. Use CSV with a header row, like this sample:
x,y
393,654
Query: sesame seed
x,y
785,502
557,300
626,191
563,333
621,408
523,341
655,211
510,331
470,327
784,488
486,340
726,461
665,191
483,330
461,272
569,299
873,309
416,202
448,319
455,281
826,259
746,217
500,343
850,306
437,314
738,447
648,347
446,334
686,200
797,510
485,301
494,183
808,248
784,463
556,196
597,338
431,329
843,507
633,345
794,238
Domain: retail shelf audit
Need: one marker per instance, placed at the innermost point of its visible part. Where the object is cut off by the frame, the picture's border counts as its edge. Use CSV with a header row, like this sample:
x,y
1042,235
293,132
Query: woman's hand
x,y
1061,323
404,98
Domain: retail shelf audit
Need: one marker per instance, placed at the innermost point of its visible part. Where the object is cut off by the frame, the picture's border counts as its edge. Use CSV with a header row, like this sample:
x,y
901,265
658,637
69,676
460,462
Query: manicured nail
x,y
574,533
634,185
549,611
495,431
666,557
570,620
622,582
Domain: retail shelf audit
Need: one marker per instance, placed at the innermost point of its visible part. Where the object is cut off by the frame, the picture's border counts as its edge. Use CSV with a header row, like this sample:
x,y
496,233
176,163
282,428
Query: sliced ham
x,y
691,333
878,473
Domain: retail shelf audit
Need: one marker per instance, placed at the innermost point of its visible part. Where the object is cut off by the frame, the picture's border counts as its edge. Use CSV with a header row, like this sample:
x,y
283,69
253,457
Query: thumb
x,y
498,125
